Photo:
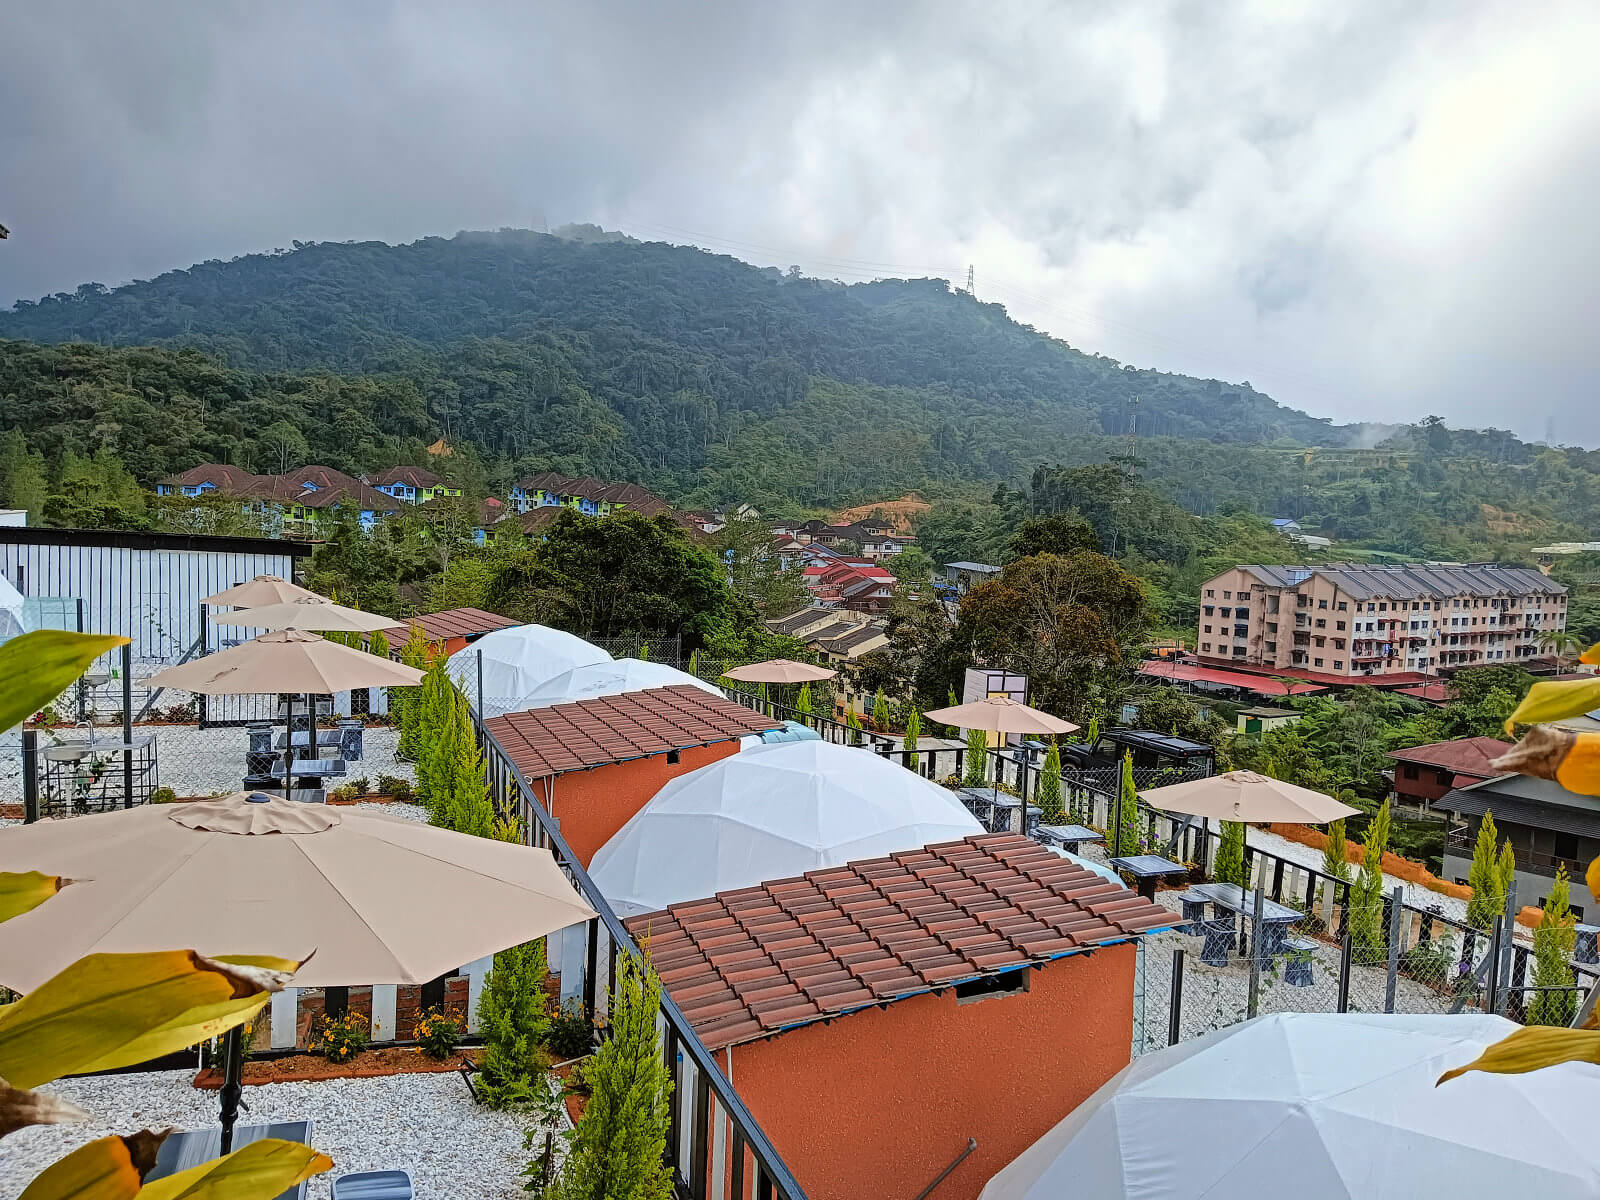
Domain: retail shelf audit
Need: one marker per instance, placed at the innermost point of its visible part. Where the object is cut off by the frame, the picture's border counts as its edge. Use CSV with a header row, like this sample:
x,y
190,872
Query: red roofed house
x,y
594,763
449,630
874,1017
1423,774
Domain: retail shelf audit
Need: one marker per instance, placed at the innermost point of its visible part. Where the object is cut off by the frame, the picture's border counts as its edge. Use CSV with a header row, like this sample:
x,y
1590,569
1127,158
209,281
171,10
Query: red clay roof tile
x,y
611,729
746,964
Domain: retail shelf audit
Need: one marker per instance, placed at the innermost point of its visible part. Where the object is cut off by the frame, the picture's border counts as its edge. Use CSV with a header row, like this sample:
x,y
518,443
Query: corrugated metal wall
x,y
149,595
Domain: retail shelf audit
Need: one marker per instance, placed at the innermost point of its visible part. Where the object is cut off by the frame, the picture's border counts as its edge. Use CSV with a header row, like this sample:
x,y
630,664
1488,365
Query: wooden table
x,y
1147,868
1068,837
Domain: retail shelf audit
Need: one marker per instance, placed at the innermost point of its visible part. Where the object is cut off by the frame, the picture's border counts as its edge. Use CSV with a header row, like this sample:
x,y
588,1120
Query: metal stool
x,y
1194,912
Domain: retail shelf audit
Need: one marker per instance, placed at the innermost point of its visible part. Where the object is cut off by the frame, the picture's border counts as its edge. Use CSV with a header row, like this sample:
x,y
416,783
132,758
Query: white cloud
x,y
1370,210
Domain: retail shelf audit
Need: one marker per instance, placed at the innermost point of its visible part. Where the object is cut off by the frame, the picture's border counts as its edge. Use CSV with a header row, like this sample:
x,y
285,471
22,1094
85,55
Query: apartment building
x,y
1398,623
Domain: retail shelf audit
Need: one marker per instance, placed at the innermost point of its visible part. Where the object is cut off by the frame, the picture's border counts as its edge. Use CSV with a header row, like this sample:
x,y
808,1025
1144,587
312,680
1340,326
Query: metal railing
x,y
1532,860
702,1096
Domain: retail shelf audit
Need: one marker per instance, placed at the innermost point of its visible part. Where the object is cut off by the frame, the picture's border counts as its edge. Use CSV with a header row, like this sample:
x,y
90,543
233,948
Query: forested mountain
x,y
696,374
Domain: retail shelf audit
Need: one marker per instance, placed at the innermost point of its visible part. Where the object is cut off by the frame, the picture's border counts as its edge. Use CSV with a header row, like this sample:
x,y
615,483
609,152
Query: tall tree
x,y
1553,944
1049,797
1335,854
1228,866
1483,878
1126,838
1366,899
513,1019
618,1149
977,764
913,760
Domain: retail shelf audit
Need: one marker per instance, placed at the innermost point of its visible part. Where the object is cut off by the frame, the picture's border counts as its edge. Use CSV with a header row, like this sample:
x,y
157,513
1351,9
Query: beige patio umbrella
x,y
289,660
306,612
1001,715
779,670
1247,796
380,899
263,589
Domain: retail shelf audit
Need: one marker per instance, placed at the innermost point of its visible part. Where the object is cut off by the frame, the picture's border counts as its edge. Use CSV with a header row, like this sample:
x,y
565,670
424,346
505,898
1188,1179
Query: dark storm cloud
x,y
1370,210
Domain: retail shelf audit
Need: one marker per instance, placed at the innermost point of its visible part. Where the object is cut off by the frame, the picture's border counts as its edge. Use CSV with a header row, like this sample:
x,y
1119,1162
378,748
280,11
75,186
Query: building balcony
x,y
1460,845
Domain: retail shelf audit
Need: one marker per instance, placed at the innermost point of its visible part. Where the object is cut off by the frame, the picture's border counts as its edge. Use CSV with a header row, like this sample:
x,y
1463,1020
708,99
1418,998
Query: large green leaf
x,y
114,1010
38,666
1548,700
21,891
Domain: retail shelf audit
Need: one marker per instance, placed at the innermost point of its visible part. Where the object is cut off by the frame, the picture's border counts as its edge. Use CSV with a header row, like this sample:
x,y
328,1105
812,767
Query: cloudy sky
x,y
1370,210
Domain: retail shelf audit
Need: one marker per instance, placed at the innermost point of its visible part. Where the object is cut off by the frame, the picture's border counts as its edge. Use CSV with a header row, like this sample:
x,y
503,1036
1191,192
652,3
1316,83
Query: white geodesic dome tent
x,y
611,678
1322,1106
771,812
516,661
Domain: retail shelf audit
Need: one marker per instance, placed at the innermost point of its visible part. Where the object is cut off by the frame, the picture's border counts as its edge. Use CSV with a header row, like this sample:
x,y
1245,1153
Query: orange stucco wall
x,y
877,1103
593,805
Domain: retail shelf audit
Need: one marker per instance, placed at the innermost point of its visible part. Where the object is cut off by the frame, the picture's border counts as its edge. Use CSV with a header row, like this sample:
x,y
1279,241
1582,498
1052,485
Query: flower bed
x,y
305,1068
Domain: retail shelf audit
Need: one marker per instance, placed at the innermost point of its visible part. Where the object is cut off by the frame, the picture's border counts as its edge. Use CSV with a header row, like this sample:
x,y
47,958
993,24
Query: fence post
x,y
30,775
127,725
480,679
201,712
1255,946
1397,907
1175,1005
1492,975
1344,972
1508,935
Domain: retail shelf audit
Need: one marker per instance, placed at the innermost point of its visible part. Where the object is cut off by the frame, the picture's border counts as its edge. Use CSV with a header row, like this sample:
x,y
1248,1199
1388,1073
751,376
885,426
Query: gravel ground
x,y
197,762
427,1124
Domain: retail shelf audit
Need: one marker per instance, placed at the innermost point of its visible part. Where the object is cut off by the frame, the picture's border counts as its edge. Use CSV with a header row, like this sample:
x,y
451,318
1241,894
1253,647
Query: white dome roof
x,y
515,662
1323,1106
11,619
771,812
610,679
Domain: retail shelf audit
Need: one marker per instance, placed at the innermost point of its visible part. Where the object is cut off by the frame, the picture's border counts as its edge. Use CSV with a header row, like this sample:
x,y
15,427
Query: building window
x,y
1566,845
1227,595
987,987
1322,604
1322,623
1207,629
1316,662
1343,606
1238,651
1338,624
1205,647
1338,665
673,757
1409,770
1211,592
1209,609
1272,647
1338,643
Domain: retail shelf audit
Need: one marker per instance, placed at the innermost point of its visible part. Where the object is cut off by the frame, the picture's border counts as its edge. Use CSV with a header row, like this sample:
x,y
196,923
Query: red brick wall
x,y
593,805
878,1102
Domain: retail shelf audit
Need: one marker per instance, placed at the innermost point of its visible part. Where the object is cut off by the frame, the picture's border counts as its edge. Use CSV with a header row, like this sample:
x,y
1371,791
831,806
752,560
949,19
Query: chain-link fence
x,y
1238,953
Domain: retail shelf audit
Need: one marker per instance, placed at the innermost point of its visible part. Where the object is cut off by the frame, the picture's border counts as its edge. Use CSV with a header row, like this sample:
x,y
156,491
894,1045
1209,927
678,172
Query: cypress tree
x,y
436,735
694,663
880,713
913,728
1049,797
406,703
977,772
1506,871
1366,894
1228,866
950,702
1483,877
513,1017
1335,860
617,1150
464,804
1093,737
802,702
1553,944
644,652
1125,838
378,644
853,724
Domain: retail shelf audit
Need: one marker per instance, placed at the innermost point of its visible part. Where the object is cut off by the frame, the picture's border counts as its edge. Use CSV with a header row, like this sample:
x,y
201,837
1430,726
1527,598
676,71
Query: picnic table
x,y
1275,918
325,737
190,1148
315,769
1007,805
1147,868
1068,837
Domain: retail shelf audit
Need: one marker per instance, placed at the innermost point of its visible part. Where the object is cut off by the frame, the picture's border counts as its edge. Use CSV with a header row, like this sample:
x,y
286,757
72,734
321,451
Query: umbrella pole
x,y
232,1087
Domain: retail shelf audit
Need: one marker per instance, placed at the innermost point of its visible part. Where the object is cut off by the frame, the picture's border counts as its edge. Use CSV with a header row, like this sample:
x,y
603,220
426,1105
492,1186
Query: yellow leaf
x,y
24,890
1592,878
38,666
108,1169
1591,656
114,1010
1551,701
1531,1048
257,1171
